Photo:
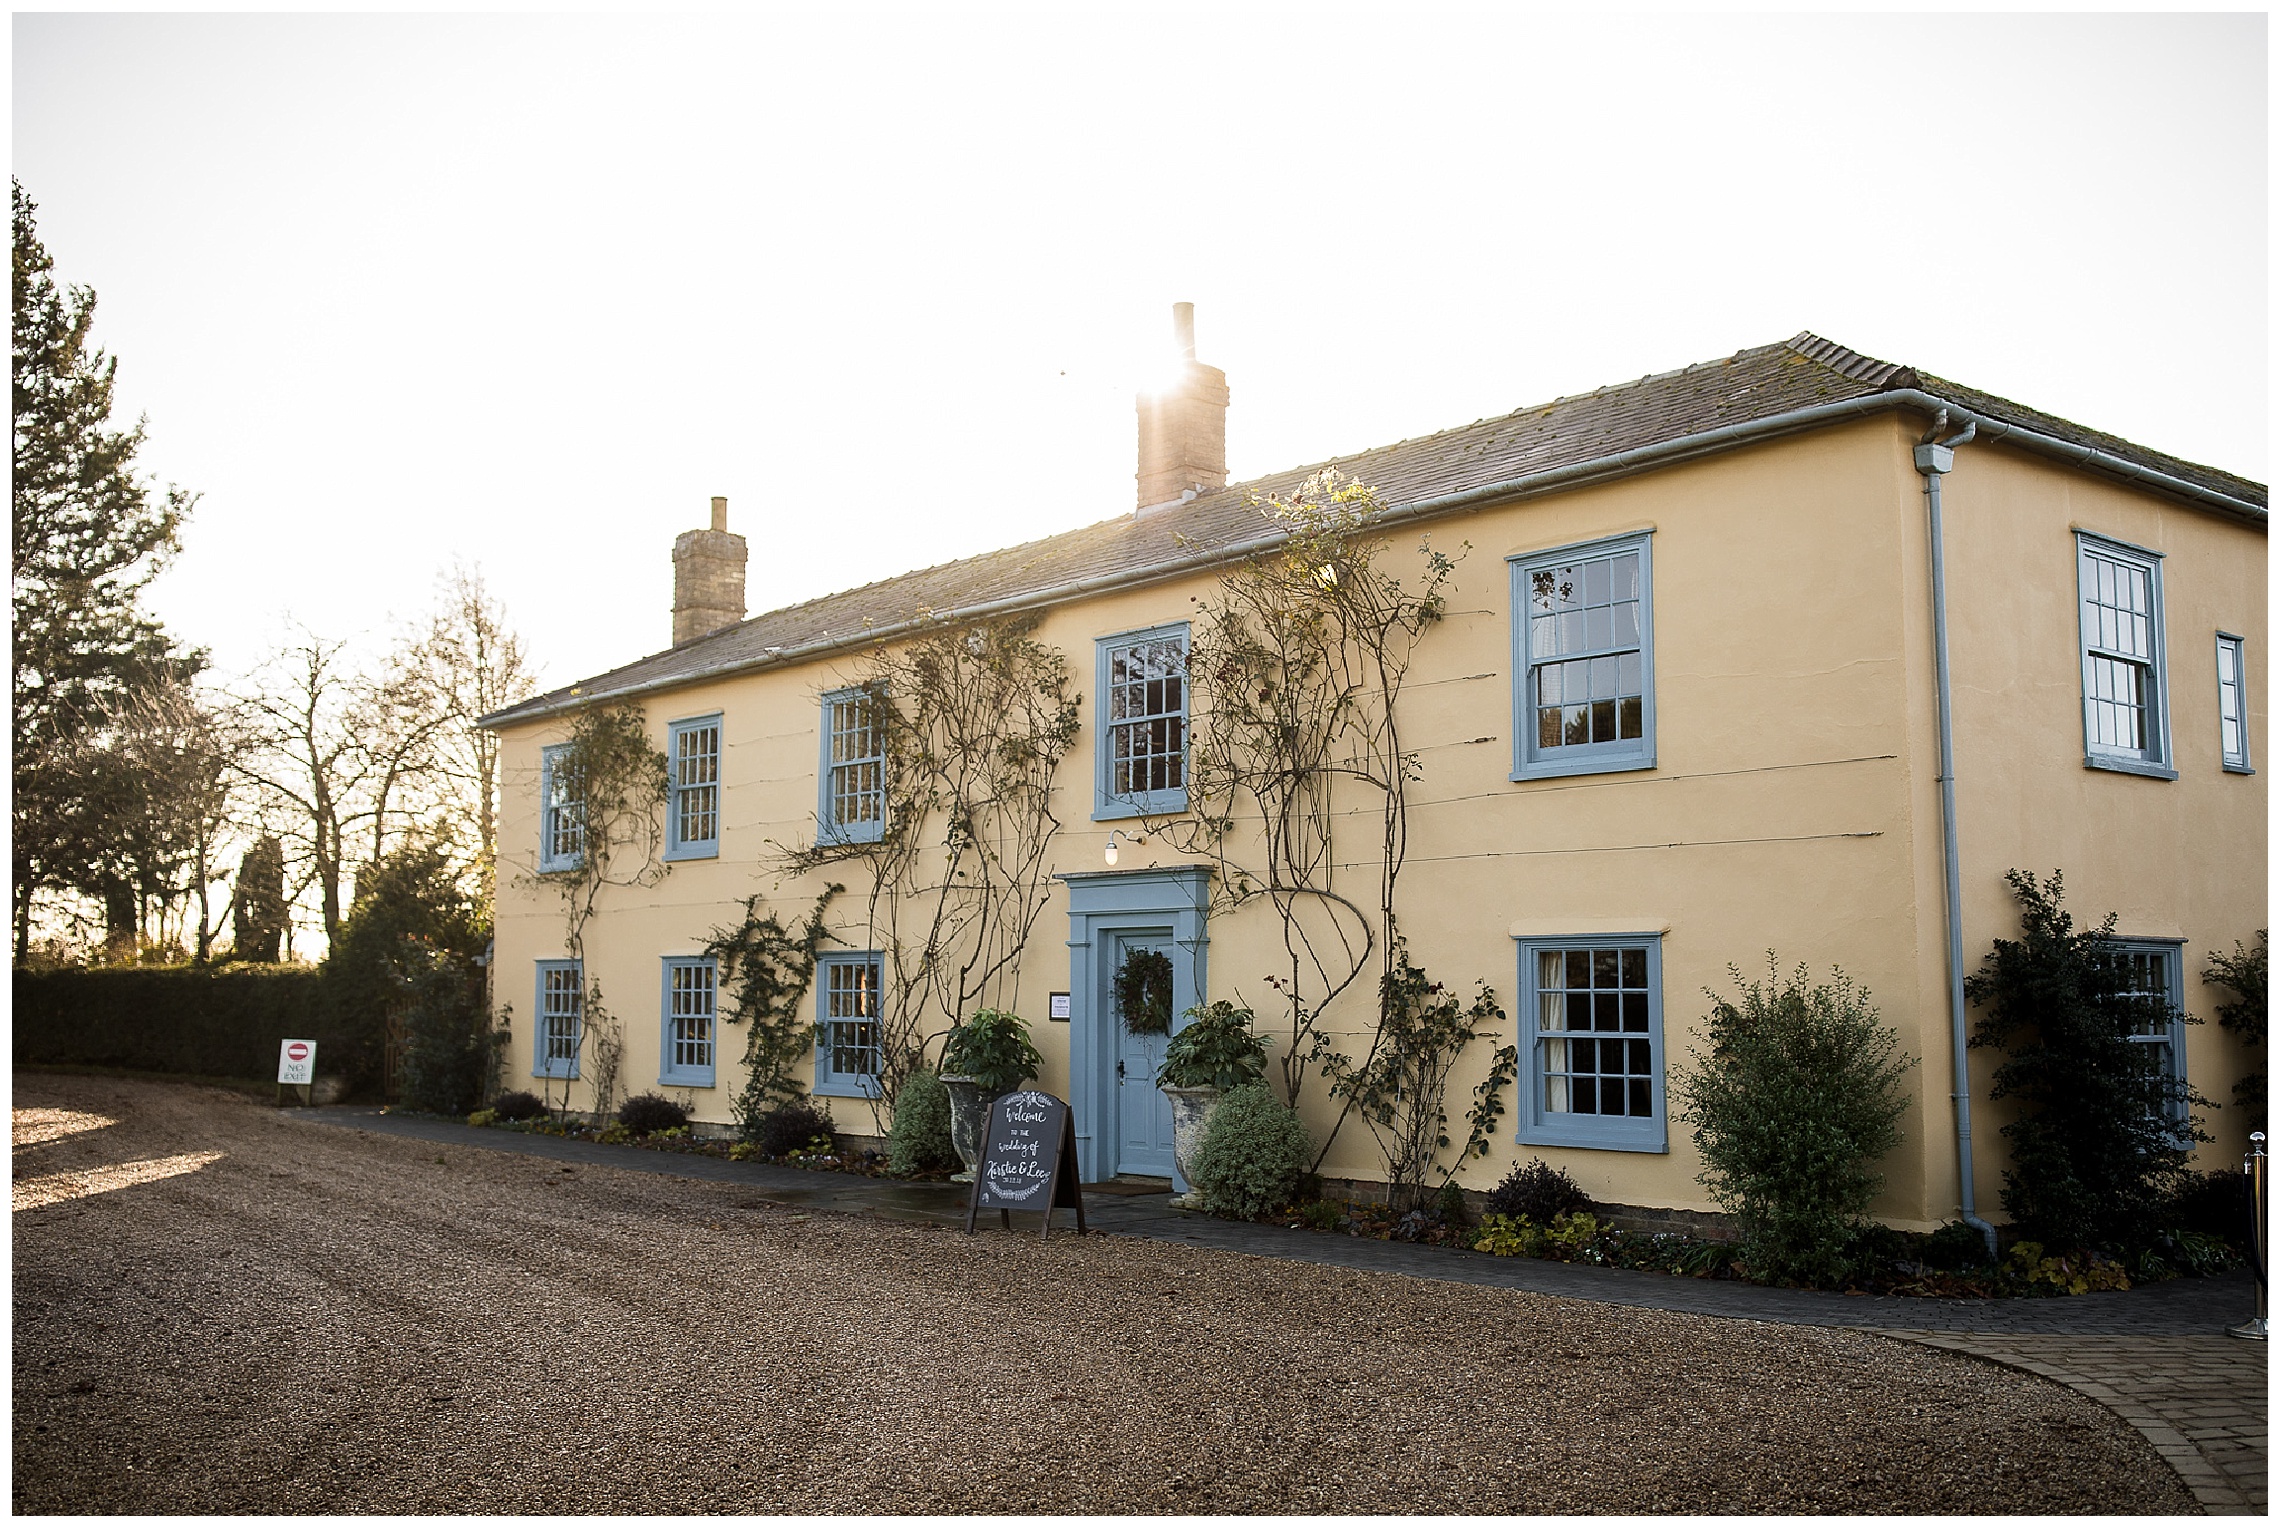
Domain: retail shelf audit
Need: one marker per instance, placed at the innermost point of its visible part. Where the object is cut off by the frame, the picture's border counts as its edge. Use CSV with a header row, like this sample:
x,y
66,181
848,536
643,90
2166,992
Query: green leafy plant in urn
x,y
983,1058
1215,1053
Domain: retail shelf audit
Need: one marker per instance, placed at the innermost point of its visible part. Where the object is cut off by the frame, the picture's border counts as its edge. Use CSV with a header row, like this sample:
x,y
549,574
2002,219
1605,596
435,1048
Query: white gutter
x,y
1598,469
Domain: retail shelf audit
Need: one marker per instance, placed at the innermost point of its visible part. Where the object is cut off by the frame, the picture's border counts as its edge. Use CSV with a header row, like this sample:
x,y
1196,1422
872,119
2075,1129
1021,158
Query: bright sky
x,y
525,290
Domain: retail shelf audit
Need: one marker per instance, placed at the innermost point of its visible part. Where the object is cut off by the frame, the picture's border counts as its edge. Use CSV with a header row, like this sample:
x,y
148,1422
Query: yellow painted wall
x,y
1793,805
2183,858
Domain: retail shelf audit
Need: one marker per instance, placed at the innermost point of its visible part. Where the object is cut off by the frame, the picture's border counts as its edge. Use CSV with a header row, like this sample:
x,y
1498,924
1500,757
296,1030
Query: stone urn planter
x,y
969,1112
1192,1109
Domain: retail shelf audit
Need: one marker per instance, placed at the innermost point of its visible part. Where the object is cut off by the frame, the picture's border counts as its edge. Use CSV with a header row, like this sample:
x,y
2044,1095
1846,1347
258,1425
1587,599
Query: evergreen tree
x,y
2103,1129
89,536
259,913
411,901
2245,971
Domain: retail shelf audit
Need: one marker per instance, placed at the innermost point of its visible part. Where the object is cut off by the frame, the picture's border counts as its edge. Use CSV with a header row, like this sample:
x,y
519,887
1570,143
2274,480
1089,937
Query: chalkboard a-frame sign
x,y
1028,1161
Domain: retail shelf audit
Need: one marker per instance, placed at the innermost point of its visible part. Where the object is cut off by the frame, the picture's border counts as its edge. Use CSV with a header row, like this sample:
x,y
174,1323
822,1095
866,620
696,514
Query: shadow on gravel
x,y
340,1320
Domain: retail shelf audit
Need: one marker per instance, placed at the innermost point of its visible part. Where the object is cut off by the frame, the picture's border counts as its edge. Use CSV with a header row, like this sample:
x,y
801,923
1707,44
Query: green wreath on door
x,y
1144,992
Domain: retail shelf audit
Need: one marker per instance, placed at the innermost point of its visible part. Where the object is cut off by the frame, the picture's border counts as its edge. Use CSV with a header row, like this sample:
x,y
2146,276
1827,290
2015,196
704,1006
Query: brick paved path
x,y
2200,1401
2157,1356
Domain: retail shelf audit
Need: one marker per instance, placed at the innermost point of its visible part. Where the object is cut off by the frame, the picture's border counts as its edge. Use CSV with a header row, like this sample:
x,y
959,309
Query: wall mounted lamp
x,y
1130,838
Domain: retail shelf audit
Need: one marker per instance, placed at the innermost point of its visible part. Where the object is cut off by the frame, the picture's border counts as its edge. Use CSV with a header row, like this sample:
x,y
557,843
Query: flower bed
x,y
1892,1262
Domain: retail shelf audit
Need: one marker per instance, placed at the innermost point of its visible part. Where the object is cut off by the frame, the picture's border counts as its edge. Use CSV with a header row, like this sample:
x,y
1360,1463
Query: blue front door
x,y
1143,1115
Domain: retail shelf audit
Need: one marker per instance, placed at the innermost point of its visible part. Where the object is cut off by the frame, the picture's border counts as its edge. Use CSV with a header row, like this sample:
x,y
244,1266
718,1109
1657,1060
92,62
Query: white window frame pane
x,y
2171,990
2125,681
851,768
561,830
561,1011
1562,1064
2232,703
689,1029
1140,739
1577,673
693,753
846,985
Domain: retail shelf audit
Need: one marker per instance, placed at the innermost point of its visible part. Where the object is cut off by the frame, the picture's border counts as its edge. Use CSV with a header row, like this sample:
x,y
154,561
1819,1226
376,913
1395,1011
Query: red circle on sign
x,y
297,1052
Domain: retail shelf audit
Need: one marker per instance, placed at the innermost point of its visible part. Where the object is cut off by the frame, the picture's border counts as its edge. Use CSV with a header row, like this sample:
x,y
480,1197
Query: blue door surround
x,y
1101,905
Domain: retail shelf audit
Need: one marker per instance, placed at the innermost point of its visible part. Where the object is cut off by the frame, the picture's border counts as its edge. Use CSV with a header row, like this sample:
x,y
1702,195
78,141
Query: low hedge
x,y
208,1021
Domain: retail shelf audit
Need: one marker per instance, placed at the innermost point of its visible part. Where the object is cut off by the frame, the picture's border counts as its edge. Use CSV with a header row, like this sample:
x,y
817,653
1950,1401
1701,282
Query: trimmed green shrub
x,y
1215,1050
919,1139
518,1105
201,1021
1253,1155
648,1113
2102,1127
1792,1104
1539,1192
793,1128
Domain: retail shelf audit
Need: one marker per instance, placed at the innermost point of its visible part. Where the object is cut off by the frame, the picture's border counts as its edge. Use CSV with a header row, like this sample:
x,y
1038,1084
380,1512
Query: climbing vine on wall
x,y
974,719
1400,1090
1297,665
766,971
614,782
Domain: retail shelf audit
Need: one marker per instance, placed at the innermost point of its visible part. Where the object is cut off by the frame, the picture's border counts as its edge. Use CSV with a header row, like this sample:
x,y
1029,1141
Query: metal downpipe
x,y
1934,458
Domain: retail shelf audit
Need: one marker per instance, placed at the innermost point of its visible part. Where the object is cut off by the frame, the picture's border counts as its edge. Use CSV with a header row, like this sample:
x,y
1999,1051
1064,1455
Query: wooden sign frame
x,y
1063,1192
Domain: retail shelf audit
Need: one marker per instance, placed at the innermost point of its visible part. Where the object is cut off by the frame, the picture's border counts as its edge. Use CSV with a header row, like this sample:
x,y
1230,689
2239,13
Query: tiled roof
x,y
1564,435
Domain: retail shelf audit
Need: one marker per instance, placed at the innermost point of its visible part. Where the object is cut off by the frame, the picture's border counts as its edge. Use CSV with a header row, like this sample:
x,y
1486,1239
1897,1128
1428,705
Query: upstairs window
x,y
1583,660
853,779
692,1000
693,815
847,1027
1142,746
561,1011
2124,705
2232,702
561,816
1591,1043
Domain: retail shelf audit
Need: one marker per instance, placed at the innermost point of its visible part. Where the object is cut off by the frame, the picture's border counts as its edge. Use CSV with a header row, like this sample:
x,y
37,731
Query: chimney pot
x,y
1183,328
720,513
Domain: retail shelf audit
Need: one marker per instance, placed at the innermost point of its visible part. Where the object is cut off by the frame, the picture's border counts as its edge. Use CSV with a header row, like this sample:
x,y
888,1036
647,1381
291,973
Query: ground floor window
x,y
1591,1042
691,998
561,1008
847,1025
2153,972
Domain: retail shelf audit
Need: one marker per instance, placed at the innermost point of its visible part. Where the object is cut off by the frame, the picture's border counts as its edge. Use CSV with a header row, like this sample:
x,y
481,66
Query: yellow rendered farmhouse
x,y
1683,704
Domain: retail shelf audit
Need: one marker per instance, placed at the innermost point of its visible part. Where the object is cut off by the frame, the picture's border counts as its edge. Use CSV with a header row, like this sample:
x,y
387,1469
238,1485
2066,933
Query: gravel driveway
x,y
219,1308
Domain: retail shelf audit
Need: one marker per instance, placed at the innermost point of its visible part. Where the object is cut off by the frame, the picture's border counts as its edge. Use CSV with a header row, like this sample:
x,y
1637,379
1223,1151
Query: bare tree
x,y
307,759
152,791
476,665
183,749
354,757
400,719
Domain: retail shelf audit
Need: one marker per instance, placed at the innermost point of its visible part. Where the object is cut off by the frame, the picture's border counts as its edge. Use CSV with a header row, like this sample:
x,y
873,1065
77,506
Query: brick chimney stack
x,y
1183,427
708,578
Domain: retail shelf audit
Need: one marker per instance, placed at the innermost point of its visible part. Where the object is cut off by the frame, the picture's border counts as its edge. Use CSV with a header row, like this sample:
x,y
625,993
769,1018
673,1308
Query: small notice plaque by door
x,y
1028,1161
